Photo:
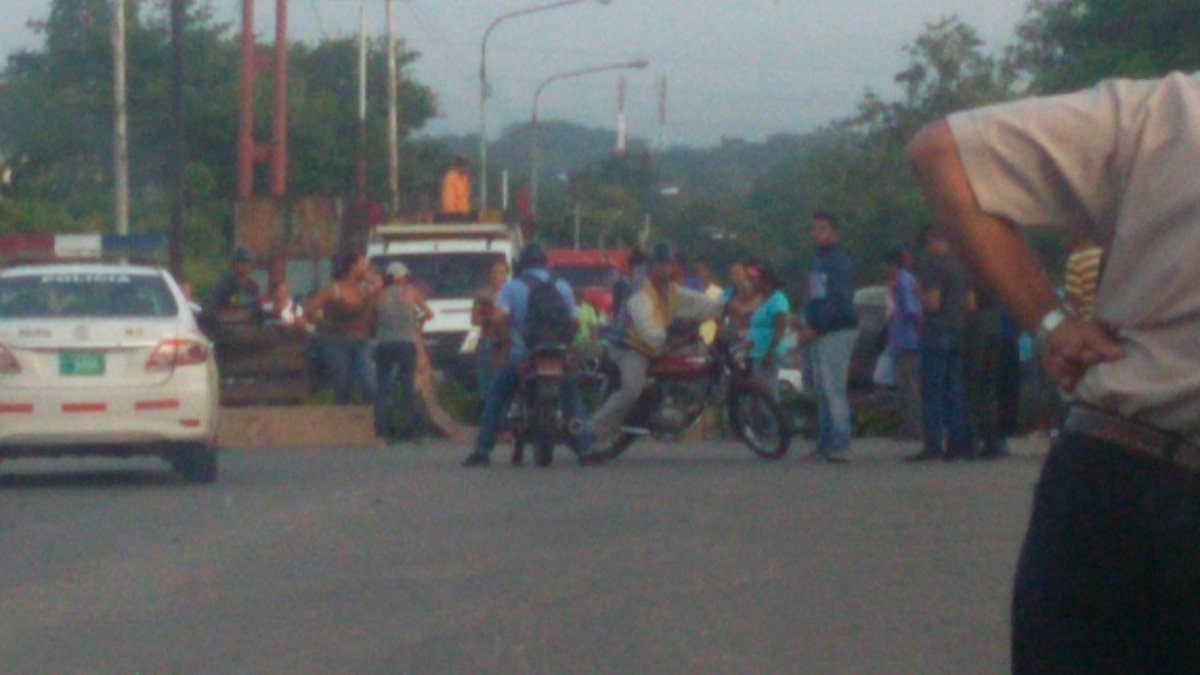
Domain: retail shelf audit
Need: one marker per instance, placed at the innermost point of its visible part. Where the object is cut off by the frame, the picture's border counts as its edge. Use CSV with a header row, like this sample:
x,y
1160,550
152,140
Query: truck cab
x,y
592,273
448,263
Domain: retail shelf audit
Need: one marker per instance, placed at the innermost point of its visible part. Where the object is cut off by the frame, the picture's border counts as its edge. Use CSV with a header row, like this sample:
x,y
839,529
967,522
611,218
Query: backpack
x,y
548,319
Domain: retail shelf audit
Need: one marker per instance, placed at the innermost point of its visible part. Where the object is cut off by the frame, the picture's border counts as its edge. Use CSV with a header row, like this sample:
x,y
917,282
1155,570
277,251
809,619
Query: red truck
x,y
591,273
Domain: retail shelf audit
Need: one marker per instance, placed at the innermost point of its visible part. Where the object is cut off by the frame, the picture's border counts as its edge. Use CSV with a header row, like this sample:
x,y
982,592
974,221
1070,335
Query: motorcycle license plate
x,y
549,367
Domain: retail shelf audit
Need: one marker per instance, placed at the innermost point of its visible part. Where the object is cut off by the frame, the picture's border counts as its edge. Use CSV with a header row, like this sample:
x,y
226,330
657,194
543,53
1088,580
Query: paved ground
x,y
673,559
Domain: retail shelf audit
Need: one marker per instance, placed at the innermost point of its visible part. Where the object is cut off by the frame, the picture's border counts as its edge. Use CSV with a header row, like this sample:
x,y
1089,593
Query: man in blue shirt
x,y
832,327
508,317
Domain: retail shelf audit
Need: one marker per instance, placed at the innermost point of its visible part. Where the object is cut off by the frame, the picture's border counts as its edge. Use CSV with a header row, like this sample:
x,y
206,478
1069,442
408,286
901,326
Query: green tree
x,y
856,167
1070,44
56,123
323,112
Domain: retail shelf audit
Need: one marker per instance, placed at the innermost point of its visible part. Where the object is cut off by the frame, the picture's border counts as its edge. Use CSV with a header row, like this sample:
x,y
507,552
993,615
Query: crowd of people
x,y
941,329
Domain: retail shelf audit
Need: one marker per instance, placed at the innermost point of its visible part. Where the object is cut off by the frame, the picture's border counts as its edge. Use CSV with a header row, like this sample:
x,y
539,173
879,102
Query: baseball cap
x,y
397,270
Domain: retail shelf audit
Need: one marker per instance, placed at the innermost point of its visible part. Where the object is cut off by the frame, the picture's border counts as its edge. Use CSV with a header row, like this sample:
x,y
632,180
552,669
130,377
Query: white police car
x,y
100,359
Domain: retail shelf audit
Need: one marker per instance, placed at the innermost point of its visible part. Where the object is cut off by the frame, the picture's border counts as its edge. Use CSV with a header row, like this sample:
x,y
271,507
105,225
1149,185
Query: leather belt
x,y
1135,436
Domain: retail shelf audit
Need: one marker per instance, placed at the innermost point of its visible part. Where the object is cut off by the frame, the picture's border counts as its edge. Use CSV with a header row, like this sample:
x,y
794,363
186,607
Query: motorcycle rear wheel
x,y
544,424
759,422
518,451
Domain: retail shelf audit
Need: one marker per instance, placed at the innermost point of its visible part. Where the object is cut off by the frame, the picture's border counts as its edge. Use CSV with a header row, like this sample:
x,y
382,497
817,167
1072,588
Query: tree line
x,y
740,198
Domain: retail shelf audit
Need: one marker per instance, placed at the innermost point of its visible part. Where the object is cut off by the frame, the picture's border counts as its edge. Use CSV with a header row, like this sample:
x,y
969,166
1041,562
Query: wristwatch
x,y
1046,326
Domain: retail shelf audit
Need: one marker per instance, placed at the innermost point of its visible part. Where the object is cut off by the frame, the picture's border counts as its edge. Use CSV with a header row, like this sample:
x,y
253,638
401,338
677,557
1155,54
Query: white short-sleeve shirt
x,y
1121,162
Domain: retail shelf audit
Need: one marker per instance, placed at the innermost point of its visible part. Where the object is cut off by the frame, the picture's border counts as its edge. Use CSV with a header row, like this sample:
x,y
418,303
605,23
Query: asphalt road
x,y
672,559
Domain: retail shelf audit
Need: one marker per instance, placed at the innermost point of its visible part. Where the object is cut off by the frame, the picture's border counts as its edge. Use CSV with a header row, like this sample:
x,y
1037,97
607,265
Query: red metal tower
x,y
274,152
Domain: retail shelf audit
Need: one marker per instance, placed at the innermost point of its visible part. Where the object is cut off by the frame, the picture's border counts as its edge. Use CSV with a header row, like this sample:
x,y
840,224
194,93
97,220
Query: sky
x,y
734,68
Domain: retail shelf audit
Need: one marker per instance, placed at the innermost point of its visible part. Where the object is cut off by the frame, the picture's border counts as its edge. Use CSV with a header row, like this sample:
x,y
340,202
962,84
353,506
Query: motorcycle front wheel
x,y
759,422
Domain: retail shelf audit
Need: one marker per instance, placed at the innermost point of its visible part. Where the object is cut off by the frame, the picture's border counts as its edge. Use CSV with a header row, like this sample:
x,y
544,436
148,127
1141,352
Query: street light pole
x,y
483,83
535,152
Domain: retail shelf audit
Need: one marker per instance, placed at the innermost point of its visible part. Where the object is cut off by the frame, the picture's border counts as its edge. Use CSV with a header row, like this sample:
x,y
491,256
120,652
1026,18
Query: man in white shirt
x,y
1109,577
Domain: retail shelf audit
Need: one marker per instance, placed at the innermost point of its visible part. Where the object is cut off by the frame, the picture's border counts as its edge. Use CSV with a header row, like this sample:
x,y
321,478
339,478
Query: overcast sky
x,y
734,68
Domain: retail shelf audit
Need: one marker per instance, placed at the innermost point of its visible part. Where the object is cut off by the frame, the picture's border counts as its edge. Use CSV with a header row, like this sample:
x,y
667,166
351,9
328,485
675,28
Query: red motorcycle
x,y
679,387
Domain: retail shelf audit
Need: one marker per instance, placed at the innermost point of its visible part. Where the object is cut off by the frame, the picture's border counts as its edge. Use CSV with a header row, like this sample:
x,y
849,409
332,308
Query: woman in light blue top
x,y
767,326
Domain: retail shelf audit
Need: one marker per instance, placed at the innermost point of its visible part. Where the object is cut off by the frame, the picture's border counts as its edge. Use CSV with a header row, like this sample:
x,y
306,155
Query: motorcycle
x,y
537,417
679,387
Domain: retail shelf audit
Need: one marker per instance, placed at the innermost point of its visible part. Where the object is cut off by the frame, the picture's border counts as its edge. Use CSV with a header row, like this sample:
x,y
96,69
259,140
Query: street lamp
x,y
483,84
535,153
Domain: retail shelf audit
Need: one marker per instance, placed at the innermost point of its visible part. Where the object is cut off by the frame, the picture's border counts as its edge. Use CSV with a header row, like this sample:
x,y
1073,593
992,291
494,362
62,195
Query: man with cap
x,y
647,316
399,313
508,320
236,289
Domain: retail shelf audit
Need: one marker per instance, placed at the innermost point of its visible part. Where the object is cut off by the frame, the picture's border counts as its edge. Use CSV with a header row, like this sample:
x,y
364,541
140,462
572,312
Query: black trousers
x,y
397,411
1109,577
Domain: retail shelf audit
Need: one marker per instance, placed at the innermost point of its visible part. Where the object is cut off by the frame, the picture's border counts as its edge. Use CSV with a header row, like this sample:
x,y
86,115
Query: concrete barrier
x,y
328,426
298,426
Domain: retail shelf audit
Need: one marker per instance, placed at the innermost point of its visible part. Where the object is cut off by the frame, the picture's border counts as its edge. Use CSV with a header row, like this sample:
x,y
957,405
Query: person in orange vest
x,y
456,191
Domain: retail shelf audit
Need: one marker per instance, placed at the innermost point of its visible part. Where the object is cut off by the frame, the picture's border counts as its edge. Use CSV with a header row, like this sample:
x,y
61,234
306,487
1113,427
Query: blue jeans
x,y
831,370
943,410
395,363
483,365
499,397
1109,576
348,362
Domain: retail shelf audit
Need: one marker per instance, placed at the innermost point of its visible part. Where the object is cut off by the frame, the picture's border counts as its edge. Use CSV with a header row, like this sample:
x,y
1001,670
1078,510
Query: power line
x,y
320,23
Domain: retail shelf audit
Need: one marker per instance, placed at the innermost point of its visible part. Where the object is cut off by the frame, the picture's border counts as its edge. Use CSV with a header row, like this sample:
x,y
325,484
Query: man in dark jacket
x,y
944,291
832,329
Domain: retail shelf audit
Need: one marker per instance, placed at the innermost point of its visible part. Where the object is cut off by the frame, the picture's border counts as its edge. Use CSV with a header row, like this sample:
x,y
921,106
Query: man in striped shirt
x,y
1083,275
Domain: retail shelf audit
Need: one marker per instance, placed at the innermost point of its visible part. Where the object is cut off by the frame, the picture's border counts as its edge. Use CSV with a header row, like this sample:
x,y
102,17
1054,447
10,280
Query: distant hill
x,y
727,170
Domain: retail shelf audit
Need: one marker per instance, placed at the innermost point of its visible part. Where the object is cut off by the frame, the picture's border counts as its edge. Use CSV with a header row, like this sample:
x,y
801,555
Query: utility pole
x,y
177,140
120,134
360,164
393,124
662,113
621,116
280,120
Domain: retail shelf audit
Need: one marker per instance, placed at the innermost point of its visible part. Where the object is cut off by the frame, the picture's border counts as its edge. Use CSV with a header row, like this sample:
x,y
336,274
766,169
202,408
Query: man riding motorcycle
x,y
644,325
508,318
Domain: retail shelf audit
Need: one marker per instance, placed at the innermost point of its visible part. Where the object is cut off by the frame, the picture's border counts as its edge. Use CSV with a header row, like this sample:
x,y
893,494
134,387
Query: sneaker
x,y
476,459
924,456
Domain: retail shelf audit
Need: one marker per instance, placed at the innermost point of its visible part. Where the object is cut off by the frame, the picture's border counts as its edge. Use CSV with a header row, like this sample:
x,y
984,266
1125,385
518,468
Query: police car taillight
x,y
171,354
8,362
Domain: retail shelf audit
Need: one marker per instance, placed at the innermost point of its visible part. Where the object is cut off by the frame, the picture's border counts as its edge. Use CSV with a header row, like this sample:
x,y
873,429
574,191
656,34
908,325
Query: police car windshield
x,y
85,295
444,276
